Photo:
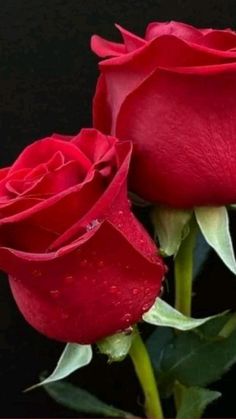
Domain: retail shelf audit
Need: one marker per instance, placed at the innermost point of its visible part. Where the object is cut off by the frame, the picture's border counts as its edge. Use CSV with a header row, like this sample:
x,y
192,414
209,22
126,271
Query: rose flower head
x,y
80,265
172,93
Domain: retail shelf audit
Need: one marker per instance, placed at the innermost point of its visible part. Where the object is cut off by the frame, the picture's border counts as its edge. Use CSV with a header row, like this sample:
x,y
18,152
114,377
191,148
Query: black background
x,y
47,80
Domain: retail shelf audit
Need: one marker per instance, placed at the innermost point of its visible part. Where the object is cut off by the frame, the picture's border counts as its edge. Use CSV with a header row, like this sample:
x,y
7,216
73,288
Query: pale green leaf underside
x,y
74,356
170,227
162,314
116,347
194,402
214,225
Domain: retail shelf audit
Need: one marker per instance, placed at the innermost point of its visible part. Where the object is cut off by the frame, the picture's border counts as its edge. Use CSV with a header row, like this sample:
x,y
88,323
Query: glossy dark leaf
x,y
80,400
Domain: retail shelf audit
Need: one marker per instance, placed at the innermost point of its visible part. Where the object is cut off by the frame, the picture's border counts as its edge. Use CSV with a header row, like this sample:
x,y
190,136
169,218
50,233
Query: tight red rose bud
x,y
173,95
80,265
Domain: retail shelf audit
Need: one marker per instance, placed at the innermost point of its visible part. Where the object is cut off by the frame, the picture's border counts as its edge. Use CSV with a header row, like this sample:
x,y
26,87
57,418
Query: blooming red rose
x,y
173,95
80,265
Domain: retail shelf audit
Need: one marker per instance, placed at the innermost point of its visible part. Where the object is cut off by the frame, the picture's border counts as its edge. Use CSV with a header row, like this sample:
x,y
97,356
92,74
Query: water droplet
x,y
37,273
120,212
113,289
92,225
147,291
117,303
135,291
127,317
65,316
69,279
55,293
101,263
145,307
141,241
83,262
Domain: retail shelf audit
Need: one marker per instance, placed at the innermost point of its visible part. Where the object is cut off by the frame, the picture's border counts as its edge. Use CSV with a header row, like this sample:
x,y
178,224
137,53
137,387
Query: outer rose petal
x,y
104,48
102,117
122,75
178,29
53,294
132,41
183,128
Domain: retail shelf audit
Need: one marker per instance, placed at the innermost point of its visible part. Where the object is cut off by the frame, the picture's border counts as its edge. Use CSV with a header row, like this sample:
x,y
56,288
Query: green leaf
x,y
116,347
194,360
214,225
80,400
214,327
171,227
156,343
74,356
194,400
162,314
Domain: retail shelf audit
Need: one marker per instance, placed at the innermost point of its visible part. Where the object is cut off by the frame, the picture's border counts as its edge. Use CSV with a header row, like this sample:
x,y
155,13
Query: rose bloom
x,y
80,265
172,93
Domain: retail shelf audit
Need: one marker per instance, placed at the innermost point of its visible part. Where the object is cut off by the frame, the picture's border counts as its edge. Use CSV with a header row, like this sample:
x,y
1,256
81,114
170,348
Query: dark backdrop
x,y
47,79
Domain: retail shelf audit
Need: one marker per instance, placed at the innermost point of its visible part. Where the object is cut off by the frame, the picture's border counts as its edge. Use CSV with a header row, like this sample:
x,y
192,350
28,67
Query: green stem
x,y
145,374
184,273
183,286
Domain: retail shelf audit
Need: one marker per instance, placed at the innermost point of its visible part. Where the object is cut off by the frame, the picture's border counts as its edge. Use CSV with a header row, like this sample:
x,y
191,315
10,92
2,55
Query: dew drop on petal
x,y
55,293
100,263
127,317
120,212
83,262
65,316
145,307
147,291
69,279
37,273
90,226
113,289
135,291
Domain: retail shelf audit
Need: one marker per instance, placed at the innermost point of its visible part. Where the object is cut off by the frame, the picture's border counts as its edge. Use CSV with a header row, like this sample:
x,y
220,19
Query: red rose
x,y
80,265
173,95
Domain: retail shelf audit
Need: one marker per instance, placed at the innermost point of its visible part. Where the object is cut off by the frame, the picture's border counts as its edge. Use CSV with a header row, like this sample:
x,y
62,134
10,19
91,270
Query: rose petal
x,y
104,48
183,128
178,29
58,289
131,41
124,74
42,150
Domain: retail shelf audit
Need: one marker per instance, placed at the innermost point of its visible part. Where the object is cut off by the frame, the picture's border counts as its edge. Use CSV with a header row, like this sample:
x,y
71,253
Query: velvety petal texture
x,y
80,265
172,95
